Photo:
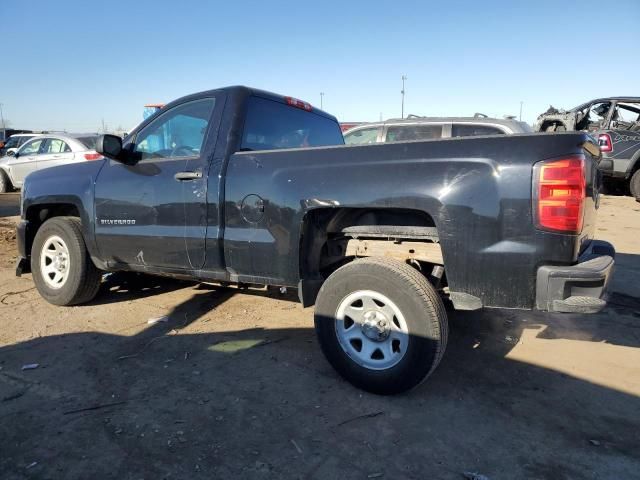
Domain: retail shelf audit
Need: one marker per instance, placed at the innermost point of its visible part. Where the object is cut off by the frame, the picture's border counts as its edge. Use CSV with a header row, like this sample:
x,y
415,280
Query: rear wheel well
x,y
328,236
38,214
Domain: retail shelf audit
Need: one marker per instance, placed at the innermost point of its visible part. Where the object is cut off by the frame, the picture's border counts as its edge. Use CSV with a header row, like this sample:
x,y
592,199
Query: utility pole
x,y
521,102
103,130
321,97
404,77
2,116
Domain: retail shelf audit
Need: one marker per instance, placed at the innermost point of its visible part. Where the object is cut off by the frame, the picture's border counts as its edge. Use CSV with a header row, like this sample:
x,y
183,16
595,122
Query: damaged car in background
x,y
615,122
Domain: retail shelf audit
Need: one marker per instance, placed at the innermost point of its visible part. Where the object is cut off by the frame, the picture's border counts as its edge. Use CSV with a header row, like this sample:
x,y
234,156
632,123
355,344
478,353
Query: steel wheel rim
x,y
54,262
371,330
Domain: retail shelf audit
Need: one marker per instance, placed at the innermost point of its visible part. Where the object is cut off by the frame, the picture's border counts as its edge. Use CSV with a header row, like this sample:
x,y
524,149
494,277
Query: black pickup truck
x,y
243,186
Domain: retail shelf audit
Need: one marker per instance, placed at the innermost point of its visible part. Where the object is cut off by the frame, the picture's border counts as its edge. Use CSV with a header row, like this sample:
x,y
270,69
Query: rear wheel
x,y
634,185
63,272
381,325
5,183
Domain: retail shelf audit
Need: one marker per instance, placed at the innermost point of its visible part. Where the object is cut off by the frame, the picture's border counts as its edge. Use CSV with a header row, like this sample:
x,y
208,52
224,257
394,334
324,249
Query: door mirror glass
x,y
110,146
12,153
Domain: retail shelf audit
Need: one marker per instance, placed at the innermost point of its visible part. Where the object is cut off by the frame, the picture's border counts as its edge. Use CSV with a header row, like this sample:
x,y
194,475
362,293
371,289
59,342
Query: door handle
x,y
181,176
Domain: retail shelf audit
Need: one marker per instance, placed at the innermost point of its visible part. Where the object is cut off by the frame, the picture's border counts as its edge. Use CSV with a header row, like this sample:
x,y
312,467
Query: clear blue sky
x,y
68,63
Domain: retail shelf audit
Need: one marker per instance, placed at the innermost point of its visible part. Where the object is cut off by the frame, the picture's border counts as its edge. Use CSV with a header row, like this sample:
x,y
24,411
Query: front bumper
x,y
23,265
578,288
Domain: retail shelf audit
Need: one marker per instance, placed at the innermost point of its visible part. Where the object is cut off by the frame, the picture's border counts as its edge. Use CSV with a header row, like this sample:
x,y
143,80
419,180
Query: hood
x,y
64,179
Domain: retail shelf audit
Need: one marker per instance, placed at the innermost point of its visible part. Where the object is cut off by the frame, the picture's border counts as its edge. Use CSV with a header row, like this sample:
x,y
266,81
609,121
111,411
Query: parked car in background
x,y
615,122
14,142
44,151
5,133
428,128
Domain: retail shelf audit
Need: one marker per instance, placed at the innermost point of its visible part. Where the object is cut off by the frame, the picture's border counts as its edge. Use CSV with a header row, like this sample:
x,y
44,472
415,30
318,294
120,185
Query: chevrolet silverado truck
x,y
241,186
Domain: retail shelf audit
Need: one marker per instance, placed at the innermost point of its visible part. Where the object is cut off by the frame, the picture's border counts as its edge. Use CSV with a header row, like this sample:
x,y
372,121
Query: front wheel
x,y
63,272
381,325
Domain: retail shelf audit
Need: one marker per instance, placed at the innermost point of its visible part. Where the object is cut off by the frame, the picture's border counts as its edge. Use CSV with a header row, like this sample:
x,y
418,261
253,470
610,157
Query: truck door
x,y
154,213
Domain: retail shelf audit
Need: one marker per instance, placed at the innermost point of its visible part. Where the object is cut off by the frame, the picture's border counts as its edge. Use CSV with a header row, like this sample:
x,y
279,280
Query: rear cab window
x,y
470,130
406,133
271,125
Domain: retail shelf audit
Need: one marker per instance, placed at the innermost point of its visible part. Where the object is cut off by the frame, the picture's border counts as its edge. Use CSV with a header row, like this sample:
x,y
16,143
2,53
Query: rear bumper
x,y
577,288
23,265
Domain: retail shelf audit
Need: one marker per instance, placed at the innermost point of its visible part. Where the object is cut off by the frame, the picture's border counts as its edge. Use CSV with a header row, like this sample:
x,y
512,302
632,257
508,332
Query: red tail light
x,y
92,156
560,188
294,102
604,141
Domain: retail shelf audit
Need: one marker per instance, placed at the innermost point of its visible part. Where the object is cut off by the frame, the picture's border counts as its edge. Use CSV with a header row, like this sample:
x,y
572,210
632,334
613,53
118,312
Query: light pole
x,y
321,98
404,77
2,117
521,102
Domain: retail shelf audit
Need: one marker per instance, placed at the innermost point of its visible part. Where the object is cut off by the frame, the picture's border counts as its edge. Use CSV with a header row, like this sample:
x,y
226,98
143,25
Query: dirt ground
x,y
233,385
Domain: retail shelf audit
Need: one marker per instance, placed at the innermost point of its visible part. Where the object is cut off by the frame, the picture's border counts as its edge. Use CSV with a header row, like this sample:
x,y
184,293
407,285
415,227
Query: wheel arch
x,y
320,224
634,164
38,213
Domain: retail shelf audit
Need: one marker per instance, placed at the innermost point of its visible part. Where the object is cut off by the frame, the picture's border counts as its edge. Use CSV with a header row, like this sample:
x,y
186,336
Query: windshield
x,y
271,125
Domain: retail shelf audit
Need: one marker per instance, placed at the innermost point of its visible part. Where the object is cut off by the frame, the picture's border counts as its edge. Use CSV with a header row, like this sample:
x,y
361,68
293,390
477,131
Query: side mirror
x,y
12,153
110,146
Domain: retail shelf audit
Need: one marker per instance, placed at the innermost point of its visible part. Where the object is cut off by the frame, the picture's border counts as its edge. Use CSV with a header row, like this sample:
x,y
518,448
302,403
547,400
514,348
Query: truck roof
x,y
241,91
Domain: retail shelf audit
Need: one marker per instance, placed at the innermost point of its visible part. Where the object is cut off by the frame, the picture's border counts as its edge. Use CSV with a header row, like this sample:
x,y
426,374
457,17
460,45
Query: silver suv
x,y
430,128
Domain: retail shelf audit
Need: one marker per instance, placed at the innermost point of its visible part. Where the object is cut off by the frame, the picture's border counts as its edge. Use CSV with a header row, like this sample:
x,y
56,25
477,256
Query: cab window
x,y
272,125
179,132
362,136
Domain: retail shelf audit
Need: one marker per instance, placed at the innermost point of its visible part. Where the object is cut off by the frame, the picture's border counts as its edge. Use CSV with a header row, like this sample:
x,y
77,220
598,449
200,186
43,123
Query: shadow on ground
x,y
263,403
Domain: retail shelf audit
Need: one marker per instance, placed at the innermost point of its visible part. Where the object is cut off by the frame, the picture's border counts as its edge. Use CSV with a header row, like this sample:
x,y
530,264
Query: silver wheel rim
x,y
54,262
372,330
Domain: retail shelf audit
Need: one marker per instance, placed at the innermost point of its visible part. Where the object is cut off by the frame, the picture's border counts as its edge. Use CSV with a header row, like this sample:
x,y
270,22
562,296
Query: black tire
x,y
5,183
634,185
83,278
417,300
